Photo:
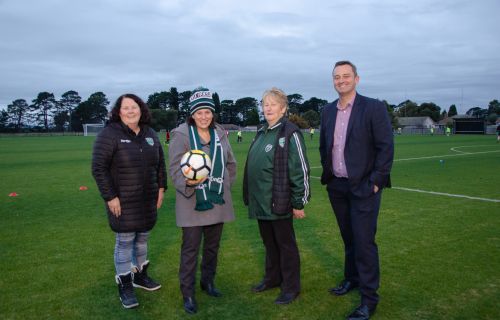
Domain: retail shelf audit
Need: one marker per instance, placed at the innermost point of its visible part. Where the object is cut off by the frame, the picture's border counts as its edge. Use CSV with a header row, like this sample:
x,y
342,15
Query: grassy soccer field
x,y
440,253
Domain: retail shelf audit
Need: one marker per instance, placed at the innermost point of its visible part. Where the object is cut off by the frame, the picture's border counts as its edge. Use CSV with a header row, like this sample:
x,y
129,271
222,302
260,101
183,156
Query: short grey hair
x,y
278,94
343,63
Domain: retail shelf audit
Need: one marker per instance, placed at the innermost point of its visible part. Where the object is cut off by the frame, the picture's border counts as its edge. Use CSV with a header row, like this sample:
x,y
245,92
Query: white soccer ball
x,y
195,164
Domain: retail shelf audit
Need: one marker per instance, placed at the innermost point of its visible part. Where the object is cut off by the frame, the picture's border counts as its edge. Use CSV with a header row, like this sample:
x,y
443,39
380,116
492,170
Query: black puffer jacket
x,y
132,168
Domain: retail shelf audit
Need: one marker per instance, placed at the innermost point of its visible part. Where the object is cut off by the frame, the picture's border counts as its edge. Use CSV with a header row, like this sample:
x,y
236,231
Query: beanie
x,y
201,99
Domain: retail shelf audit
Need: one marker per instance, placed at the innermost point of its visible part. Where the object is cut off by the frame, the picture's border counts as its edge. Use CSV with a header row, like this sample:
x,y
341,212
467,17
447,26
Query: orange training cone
x,y
82,188
13,194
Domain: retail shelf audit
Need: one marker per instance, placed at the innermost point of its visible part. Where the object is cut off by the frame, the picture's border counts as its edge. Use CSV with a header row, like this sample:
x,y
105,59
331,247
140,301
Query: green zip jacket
x,y
260,173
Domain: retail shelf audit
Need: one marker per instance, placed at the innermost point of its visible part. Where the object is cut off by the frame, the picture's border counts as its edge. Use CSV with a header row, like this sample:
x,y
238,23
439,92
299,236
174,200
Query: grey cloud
x,y
424,50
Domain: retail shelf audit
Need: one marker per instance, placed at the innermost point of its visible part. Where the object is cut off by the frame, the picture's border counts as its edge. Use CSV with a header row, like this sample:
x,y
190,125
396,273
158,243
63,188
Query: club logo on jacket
x,y
150,141
281,142
268,147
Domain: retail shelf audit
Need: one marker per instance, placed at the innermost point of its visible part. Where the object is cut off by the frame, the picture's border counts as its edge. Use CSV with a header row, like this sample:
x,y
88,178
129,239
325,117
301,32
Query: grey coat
x,y
185,199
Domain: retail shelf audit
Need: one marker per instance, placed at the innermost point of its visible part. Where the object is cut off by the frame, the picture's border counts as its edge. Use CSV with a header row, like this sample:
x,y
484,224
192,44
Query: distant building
x,y
230,127
233,127
415,122
469,125
415,125
448,121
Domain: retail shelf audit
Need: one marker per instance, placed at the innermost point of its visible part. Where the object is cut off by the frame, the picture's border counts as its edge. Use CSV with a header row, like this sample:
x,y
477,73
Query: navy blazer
x,y
369,149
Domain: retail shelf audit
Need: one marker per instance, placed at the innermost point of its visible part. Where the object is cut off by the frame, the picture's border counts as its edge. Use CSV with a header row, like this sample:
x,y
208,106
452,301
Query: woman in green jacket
x,y
276,188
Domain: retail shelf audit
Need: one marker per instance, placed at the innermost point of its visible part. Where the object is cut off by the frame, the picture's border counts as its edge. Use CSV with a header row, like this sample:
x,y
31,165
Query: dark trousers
x,y
191,240
282,254
357,220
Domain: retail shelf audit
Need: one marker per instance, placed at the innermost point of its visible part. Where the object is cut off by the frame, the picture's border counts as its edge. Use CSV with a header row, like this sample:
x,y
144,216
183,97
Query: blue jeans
x,y
131,249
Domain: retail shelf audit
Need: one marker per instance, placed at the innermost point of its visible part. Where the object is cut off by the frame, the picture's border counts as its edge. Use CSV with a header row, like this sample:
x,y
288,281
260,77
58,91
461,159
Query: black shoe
x,y
262,286
286,298
344,287
143,281
362,312
210,289
126,291
190,305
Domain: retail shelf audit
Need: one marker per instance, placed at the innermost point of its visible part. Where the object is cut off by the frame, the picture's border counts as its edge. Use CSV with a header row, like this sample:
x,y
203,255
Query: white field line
x,y
447,194
447,155
439,193
455,149
460,153
432,157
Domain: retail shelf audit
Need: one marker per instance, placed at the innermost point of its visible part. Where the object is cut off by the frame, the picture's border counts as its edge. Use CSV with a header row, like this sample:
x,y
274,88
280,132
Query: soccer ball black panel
x,y
195,164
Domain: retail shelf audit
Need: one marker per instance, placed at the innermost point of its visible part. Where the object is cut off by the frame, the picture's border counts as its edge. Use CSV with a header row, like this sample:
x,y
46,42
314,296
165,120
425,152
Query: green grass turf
x,y
440,256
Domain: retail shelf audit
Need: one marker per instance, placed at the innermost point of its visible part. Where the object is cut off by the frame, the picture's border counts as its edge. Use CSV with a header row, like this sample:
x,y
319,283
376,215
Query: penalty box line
x,y
439,193
446,194
446,155
429,157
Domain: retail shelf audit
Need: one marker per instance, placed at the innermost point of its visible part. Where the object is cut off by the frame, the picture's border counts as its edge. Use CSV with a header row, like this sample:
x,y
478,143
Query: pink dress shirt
x,y
339,139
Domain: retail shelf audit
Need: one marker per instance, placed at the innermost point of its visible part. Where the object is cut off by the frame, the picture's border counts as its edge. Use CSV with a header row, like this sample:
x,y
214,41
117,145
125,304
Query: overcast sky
x,y
446,52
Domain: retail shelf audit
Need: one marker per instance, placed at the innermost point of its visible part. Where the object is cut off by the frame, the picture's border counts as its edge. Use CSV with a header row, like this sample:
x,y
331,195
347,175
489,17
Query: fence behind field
x,y
41,134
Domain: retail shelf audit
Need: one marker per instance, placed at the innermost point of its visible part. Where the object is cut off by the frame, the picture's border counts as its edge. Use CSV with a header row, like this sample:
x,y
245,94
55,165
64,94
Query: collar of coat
x,y
266,126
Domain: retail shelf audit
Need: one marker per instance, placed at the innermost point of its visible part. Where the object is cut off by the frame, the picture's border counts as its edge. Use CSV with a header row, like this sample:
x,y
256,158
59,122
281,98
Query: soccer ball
x,y
195,164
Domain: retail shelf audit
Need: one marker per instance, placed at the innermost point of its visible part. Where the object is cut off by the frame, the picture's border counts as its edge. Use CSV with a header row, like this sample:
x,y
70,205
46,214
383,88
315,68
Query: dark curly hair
x,y
145,114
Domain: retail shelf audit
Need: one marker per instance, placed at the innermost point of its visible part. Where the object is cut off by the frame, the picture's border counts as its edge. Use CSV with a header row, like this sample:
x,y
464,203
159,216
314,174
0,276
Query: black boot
x,y
142,280
190,305
126,291
210,289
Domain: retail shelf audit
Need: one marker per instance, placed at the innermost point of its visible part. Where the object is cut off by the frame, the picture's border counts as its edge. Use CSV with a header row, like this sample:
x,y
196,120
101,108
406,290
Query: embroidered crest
x,y
150,141
268,147
281,142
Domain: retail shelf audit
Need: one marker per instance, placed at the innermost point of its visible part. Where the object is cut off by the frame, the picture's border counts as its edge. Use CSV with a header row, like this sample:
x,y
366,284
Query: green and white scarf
x,y
211,191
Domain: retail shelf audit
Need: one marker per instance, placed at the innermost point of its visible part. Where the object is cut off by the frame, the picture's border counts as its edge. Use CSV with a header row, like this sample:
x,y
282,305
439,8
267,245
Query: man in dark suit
x,y
357,150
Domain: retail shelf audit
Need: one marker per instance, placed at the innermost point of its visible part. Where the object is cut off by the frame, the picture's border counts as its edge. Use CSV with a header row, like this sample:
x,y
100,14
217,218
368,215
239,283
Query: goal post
x,y
92,129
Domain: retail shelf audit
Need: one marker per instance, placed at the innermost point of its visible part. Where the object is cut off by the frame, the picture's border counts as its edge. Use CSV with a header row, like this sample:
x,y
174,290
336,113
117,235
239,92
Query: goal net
x,y
92,129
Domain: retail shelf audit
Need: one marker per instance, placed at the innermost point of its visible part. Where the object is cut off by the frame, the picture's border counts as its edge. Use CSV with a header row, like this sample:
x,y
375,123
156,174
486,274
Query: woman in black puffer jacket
x,y
129,168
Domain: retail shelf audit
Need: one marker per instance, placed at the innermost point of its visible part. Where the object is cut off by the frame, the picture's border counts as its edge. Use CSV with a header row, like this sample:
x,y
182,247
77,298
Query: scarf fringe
x,y
203,206
217,199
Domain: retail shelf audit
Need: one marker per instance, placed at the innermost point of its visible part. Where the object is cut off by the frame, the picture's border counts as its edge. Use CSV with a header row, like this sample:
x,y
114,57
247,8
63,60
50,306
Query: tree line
x,y
169,108
409,108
